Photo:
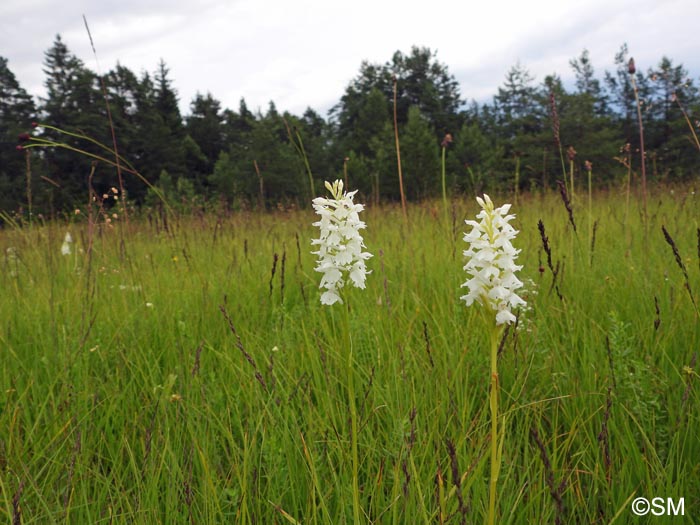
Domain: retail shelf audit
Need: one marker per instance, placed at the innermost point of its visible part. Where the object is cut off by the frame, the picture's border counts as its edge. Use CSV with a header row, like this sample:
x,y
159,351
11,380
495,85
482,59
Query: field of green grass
x,y
186,372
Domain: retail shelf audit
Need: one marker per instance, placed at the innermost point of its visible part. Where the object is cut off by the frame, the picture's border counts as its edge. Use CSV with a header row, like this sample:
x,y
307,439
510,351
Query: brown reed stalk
x,y
588,165
28,170
446,141
627,162
674,97
571,156
398,151
632,70
555,129
261,196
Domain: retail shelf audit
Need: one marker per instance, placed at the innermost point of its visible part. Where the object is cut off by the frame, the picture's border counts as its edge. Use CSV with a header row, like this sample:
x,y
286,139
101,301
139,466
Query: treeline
x,y
245,158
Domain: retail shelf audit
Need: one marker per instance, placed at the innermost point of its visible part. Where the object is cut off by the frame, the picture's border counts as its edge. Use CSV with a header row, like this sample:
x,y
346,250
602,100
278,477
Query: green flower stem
x,y
590,205
571,175
444,186
495,452
353,419
517,178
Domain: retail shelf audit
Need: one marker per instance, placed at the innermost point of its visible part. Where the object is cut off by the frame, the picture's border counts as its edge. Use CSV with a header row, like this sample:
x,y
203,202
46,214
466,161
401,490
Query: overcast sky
x,y
302,53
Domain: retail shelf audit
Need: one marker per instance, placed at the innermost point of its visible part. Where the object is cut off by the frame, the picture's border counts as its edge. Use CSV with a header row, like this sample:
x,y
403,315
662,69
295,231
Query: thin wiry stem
x,y
493,403
641,144
685,115
117,163
398,154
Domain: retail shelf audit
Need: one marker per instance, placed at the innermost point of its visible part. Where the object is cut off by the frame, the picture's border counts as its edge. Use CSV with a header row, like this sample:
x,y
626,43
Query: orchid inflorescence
x,y
340,255
491,265
66,246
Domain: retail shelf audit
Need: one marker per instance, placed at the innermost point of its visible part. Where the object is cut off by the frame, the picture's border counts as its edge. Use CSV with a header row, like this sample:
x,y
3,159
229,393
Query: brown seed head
x,y
588,165
555,118
571,153
446,140
631,67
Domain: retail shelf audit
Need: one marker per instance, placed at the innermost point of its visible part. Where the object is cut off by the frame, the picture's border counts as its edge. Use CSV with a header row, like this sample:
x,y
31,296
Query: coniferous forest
x,y
243,158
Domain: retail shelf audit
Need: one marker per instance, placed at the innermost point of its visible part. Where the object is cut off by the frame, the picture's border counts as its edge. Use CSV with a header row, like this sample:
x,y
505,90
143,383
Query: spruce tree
x,y
17,110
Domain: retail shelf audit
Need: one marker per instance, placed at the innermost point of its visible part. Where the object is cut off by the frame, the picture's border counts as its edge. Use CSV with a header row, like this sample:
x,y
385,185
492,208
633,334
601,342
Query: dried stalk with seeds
x,y
548,251
679,262
456,479
275,257
567,203
632,70
239,345
555,491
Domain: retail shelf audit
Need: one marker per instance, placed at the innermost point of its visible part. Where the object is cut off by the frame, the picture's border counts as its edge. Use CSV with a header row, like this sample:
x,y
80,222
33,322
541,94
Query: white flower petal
x,y
330,297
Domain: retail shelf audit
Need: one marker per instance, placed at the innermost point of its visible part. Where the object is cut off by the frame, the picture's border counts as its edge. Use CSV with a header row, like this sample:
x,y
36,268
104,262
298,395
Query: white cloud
x,y
304,53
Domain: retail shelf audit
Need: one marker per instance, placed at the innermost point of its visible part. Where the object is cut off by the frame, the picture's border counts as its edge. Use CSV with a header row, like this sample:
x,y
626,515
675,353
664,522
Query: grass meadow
x,y
184,371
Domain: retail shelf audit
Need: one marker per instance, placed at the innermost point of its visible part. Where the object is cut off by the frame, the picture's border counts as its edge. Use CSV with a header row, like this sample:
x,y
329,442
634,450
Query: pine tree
x,y
672,150
73,103
422,81
167,136
420,157
205,126
17,111
587,85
